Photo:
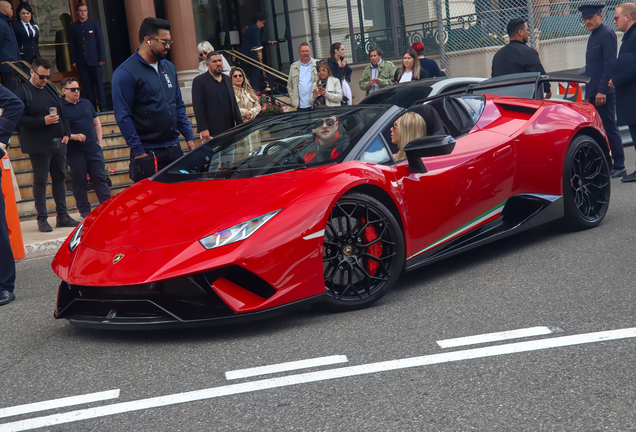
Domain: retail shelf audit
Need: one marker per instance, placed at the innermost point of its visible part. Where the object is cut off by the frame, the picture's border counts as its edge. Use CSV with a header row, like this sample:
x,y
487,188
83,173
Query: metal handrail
x,y
256,64
21,73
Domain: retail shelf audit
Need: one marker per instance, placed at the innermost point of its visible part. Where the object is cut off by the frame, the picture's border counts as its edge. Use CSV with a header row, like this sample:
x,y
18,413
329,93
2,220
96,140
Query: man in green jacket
x,y
378,74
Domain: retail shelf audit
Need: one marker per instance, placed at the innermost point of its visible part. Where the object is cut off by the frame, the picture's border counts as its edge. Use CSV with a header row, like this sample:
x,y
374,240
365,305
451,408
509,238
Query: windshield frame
x,y
187,168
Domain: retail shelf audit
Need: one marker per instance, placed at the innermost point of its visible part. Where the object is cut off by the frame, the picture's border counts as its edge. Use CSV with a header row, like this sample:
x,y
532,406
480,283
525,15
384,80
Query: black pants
x,y
8,81
93,78
54,163
7,264
88,163
144,167
607,112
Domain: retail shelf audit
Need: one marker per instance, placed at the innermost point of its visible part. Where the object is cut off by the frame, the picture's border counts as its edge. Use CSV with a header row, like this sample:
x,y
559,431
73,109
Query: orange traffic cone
x,y
11,209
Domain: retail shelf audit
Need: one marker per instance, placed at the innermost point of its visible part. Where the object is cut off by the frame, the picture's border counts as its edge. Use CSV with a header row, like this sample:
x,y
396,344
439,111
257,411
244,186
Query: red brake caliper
x,y
375,249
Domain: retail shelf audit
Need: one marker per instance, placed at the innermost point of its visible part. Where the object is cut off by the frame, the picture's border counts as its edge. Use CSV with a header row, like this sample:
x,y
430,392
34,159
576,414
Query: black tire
x,y
586,184
363,252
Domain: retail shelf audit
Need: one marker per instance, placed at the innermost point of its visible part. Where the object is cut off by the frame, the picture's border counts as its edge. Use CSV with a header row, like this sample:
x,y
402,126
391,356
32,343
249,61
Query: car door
x,y
460,191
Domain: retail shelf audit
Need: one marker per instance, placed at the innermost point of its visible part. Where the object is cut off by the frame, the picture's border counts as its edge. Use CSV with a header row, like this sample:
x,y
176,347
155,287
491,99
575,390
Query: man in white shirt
x,y
302,76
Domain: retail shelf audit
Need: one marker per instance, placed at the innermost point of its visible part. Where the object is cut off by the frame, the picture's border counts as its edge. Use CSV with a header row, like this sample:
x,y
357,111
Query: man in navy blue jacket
x,y
9,50
599,66
86,47
623,79
13,108
251,39
148,105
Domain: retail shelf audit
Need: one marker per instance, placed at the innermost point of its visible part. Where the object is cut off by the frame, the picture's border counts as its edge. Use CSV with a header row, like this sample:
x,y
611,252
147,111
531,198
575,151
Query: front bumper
x,y
206,299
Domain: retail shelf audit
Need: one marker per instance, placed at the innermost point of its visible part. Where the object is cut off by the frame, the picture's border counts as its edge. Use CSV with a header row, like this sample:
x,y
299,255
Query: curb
x,y
43,249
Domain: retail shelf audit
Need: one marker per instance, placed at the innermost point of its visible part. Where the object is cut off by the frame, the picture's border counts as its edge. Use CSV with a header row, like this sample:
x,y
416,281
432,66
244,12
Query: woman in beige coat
x,y
245,96
250,107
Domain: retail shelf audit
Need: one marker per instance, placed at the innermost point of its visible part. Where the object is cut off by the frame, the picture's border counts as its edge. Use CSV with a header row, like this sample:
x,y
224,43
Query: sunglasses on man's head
x,y
327,122
73,89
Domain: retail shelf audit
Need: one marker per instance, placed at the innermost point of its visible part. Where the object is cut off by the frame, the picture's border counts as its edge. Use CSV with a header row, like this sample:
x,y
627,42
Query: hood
x,y
151,215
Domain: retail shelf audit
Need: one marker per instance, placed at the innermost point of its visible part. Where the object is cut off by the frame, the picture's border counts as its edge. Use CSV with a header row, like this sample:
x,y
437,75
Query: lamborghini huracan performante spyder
x,y
310,207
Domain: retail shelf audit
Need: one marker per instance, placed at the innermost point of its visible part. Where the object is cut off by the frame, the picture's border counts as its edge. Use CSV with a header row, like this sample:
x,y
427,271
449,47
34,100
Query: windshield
x,y
402,95
275,144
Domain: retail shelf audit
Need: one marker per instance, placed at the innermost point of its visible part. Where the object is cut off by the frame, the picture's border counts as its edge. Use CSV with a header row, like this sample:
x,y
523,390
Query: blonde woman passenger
x,y
406,129
204,48
327,90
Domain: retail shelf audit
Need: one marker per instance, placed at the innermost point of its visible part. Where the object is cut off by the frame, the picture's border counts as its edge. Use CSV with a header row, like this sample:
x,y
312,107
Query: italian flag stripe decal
x,y
482,219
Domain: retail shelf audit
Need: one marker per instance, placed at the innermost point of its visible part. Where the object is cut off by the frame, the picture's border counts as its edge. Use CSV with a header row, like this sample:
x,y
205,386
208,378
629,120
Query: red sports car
x,y
314,207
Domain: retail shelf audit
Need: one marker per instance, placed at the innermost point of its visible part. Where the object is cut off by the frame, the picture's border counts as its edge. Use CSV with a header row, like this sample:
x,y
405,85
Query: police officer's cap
x,y
590,9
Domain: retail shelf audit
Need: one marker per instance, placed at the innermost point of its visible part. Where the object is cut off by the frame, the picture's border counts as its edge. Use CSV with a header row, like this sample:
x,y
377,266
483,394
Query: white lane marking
x,y
309,377
494,337
284,367
58,403
315,235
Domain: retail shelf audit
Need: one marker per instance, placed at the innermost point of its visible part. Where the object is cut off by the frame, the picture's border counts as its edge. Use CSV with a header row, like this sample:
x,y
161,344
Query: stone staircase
x,y
116,155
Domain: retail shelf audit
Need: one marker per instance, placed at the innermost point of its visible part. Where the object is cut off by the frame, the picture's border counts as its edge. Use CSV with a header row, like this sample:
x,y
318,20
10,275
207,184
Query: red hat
x,y
418,46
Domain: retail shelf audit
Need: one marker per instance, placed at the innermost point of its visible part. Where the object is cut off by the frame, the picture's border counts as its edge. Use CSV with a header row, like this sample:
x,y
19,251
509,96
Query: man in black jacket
x,y
12,111
517,57
9,50
213,100
44,133
624,77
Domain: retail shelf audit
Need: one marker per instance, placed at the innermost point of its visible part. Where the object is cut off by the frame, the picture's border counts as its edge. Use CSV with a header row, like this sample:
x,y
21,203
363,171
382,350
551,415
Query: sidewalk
x,y
38,244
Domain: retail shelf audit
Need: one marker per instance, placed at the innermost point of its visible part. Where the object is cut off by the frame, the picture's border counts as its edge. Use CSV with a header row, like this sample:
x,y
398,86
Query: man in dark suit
x,y
624,76
26,34
88,55
44,134
599,65
251,39
213,99
12,111
9,50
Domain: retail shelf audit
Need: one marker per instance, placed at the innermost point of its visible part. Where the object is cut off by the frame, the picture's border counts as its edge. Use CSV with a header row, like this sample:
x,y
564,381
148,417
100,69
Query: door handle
x,y
503,152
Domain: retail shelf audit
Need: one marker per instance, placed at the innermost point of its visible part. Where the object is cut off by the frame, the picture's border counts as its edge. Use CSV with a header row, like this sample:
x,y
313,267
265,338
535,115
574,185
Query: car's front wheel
x,y
363,252
586,184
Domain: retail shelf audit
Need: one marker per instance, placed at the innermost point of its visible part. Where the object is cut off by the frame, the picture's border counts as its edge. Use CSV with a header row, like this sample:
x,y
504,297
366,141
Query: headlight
x,y
236,233
75,238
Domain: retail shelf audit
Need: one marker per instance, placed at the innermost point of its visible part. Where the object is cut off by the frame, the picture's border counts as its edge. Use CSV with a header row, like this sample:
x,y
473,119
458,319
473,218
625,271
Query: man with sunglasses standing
x,y
84,153
147,101
88,55
44,133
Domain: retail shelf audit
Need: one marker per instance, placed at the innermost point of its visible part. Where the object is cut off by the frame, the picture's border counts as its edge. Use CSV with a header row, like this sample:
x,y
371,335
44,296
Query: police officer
x,y
88,55
599,66
13,108
517,57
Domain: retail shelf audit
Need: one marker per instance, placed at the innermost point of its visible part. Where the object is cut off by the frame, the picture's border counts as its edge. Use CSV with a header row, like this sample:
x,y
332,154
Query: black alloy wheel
x,y
586,184
363,252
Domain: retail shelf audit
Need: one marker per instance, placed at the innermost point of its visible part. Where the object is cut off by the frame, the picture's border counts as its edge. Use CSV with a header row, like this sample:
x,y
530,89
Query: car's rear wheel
x,y
586,184
363,252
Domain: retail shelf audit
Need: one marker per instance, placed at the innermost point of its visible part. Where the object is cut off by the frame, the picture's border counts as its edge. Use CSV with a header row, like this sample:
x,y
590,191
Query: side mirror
x,y
435,145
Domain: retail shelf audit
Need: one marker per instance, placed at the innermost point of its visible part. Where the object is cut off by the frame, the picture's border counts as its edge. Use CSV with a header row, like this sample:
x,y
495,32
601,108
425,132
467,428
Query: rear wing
x,y
525,85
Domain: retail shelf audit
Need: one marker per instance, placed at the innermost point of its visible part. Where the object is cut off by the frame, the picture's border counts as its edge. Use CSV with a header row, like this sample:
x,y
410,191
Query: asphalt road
x,y
573,283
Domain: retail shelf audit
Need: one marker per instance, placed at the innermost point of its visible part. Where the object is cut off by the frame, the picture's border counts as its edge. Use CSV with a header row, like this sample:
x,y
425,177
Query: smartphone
x,y
53,110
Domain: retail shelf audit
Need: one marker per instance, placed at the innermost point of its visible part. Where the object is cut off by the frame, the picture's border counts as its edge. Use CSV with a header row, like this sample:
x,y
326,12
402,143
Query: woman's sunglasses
x,y
237,76
203,54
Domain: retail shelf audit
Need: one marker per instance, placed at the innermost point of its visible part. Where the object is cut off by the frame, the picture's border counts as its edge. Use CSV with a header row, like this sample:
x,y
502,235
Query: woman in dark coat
x,y
340,69
26,33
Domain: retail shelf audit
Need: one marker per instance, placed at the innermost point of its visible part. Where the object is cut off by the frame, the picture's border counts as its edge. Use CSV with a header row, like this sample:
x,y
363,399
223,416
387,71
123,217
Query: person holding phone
x,y
378,74
327,90
44,133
